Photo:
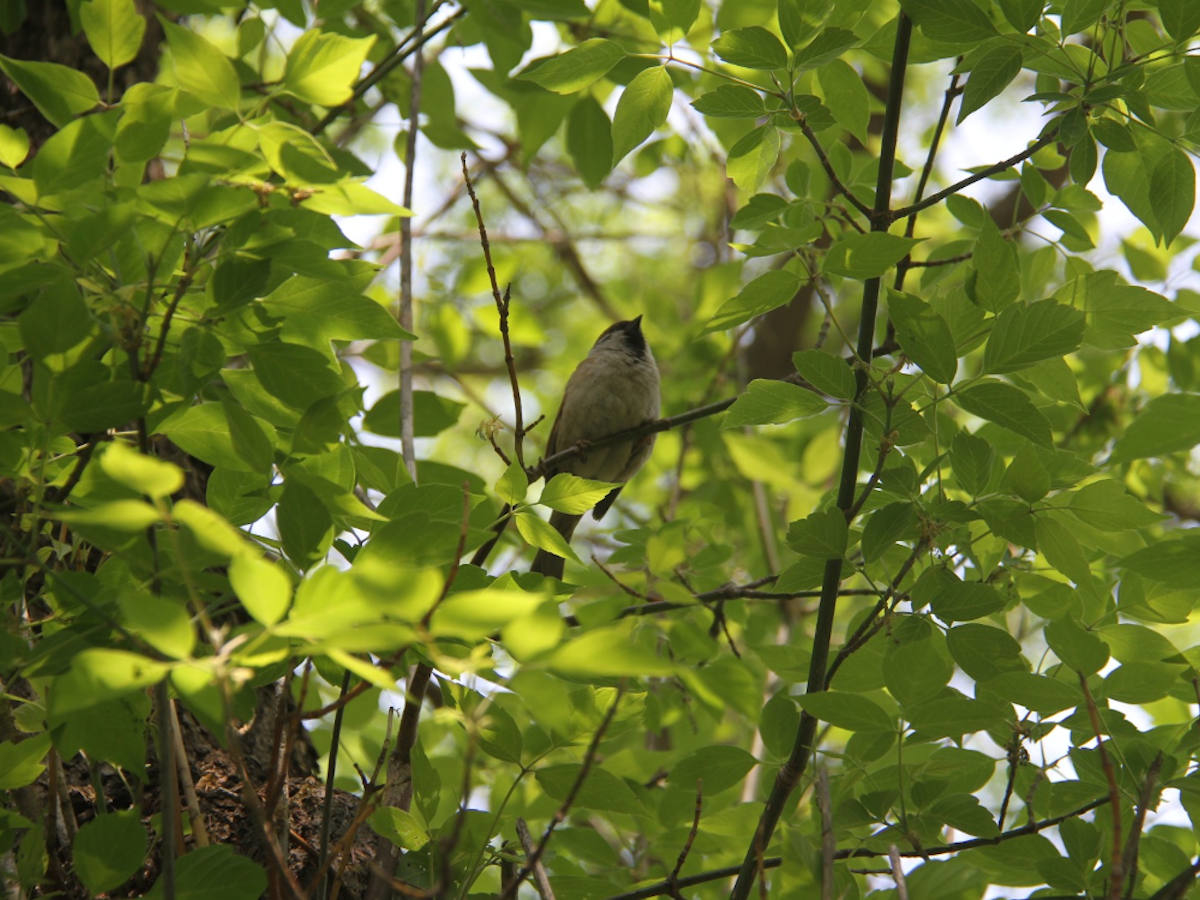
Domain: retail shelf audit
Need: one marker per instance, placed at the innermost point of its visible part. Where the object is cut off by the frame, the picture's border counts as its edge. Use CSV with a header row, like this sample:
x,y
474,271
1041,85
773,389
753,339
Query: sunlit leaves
x,y
589,140
730,101
571,494
643,106
772,403
1023,335
262,586
1168,424
109,849
59,93
201,68
950,20
751,159
853,712
114,28
867,255
576,68
1173,192
150,476
764,293
990,75
827,46
1008,407
924,335
322,67
751,48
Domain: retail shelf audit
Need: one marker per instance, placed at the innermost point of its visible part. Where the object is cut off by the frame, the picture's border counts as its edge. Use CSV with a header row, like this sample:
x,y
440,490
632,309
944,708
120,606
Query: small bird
x,y
614,388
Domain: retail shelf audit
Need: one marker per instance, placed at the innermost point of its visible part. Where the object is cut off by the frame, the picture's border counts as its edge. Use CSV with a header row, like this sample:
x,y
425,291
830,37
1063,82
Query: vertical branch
x,y
1116,871
168,793
502,307
789,774
407,444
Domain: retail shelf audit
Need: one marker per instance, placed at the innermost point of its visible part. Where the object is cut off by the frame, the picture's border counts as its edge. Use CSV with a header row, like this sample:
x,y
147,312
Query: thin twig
x,y
828,840
195,815
1048,137
660,888
1145,796
335,739
1116,875
898,873
502,307
540,880
837,183
673,878
407,440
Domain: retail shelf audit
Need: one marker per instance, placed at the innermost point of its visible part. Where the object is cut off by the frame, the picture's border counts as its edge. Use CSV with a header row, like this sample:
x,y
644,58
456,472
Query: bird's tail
x,y
547,563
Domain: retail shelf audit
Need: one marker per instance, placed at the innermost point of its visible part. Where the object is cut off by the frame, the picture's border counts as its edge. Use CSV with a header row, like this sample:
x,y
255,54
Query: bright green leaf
x,y
751,48
201,69
150,476
924,336
864,256
767,402
109,849
60,93
571,494
1008,407
322,66
576,68
114,28
852,712
643,107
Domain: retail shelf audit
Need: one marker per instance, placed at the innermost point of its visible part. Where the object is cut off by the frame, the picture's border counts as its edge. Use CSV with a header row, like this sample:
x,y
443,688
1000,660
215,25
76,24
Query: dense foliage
x,y
911,617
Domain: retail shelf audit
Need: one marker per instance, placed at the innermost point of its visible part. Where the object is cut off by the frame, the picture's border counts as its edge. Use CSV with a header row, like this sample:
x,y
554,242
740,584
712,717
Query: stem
x,y
407,440
789,775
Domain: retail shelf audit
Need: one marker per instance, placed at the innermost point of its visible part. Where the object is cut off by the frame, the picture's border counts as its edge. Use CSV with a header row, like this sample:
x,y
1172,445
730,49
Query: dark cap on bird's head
x,y
631,333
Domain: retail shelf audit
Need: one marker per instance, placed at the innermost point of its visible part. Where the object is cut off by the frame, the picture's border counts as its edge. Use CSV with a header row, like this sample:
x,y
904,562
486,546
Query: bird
x,y
615,387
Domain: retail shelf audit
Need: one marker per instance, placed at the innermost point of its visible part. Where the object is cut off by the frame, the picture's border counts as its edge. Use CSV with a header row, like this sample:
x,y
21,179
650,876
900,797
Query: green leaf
x,y
294,374
997,268
59,93
322,67
1108,506
972,459
513,484
1142,682
950,714
829,374
1022,335
1169,423
1173,192
609,650
924,336
827,46
121,515
538,532
846,96
1008,407
1043,695
317,310
571,494
864,256
822,534
916,670
114,28
673,18
763,294
589,140
98,674
76,156
717,768
885,526
22,762
752,158
304,522
778,723
201,69
205,431
1027,476
990,75
575,69
1181,18
953,21
1079,15
145,474
432,414
1173,562
405,829
643,106
214,873
601,790
730,101
14,146
842,709
263,587
1022,14
768,402
473,615
751,48
962,601
1061,549
109,849
1081,650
